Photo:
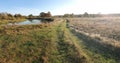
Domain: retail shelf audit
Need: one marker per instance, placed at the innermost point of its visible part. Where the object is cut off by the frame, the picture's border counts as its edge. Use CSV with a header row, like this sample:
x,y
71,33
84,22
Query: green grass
x,y
96,52
23,44
45,43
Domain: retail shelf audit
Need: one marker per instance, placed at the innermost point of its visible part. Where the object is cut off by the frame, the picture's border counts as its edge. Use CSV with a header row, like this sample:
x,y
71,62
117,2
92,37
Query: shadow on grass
x,y
107,51
68,52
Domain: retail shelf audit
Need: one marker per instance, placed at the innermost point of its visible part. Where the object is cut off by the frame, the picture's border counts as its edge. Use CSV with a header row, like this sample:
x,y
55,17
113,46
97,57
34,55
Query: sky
x,y
60,7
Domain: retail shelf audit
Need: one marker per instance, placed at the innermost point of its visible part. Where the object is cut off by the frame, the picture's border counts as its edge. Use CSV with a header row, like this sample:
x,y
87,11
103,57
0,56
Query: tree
x,y
68,15
86,14
49,14
43,14
10,16
30,16
17,16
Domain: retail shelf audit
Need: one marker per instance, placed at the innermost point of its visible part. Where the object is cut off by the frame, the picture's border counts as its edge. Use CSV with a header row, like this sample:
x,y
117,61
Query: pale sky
x,y
91,6
60,7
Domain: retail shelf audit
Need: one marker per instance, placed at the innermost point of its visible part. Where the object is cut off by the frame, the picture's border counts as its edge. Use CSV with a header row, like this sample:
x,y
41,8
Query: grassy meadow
x,y
103,28
44,43
100,35
55,42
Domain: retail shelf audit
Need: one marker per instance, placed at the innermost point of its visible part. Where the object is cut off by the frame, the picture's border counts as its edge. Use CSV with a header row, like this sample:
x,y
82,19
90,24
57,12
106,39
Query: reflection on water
x,y
27,22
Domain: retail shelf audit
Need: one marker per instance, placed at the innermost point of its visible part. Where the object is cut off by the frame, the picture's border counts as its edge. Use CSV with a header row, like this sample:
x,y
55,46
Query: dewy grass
x,y
97,51
23,44
33,44
45,43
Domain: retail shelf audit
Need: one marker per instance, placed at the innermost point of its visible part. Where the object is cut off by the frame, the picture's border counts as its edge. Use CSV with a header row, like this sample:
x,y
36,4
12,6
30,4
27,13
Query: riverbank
x,y
12,21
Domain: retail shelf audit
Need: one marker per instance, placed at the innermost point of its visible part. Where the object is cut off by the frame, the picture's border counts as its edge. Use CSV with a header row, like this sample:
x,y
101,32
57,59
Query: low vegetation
x,y
60,41
44,43
104,28
9,18
100,35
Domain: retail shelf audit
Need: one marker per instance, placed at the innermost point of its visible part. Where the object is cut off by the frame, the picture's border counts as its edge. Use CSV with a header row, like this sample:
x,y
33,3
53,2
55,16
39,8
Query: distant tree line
x,y
41,15
8,16
68,15
79,15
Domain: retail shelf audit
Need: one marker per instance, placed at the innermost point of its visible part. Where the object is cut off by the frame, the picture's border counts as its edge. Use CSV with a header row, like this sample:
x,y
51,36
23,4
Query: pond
x,y
27,22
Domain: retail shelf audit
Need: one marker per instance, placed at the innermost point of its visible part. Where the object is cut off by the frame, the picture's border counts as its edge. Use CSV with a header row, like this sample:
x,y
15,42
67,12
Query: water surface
x,y
27,22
